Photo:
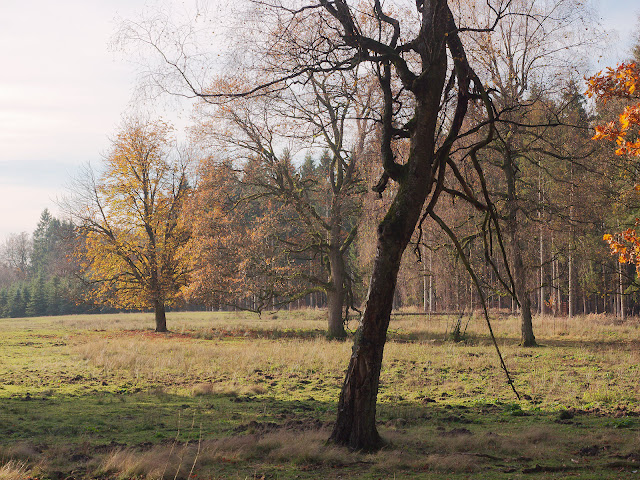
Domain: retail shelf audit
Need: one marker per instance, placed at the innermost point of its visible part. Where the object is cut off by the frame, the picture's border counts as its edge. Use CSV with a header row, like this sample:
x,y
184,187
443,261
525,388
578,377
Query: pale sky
x,y
63,92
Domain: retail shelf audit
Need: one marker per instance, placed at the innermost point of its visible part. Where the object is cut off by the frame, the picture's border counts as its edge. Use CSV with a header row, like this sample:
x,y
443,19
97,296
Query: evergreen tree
x,y
53,299
308,167
42,242
37,304
4,301
16,305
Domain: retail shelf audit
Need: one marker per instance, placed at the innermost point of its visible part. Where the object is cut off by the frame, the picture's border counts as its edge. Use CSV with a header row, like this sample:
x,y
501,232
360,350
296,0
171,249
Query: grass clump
x,y
14,470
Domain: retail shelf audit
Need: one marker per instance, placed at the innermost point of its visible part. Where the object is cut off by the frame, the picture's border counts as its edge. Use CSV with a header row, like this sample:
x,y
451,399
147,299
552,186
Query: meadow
x,y
237,396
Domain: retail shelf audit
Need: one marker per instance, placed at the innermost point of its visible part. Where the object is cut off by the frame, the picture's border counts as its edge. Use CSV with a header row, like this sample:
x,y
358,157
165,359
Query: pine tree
x,y
16,304
41,242
4,301
36,305
53,299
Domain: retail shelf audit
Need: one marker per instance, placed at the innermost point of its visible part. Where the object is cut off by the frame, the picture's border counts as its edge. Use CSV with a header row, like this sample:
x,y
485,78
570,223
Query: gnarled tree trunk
x,y
422,175
355,425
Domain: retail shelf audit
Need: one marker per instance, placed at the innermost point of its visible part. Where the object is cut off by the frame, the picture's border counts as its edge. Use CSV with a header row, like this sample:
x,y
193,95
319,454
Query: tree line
x,y
271,226
36,277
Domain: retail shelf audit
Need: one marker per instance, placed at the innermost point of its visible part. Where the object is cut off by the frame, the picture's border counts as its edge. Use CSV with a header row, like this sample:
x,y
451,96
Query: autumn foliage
x,y
235,252
130,217
621,83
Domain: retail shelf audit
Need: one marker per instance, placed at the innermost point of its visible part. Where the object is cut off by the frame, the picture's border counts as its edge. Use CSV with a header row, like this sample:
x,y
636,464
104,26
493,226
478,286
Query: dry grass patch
x,y
308,448
178,460
21,451
235,390
175,461
14,470
188,361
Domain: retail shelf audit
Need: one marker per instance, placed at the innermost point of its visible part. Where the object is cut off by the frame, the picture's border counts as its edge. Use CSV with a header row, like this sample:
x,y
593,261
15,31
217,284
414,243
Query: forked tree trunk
x,y
527,338
336,292
161,317
355,426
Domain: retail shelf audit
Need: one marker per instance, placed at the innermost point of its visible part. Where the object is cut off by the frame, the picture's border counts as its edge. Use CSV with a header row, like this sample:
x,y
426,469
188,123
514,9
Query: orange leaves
x,y
626,246
608,131
621,82
615,83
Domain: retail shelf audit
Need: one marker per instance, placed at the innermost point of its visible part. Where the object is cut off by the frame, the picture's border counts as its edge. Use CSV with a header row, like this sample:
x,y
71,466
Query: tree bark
x,y
621,290
336,296
336,292
161,317
355,426
540,211
527,338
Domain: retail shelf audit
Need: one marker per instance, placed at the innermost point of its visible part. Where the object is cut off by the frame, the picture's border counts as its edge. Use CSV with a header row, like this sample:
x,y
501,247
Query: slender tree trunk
x,y
604,290
552,296
430,281
519,274
570,298
458,308
571,293
621,290
161,317
558,292
425,281
540,215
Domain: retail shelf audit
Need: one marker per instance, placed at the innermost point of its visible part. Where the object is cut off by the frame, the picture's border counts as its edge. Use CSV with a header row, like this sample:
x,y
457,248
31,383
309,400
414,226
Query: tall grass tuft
x,y
13,470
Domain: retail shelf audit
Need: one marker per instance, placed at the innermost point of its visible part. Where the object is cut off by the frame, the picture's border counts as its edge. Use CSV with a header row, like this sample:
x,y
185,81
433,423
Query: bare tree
x,y
16,253
525,61
329,111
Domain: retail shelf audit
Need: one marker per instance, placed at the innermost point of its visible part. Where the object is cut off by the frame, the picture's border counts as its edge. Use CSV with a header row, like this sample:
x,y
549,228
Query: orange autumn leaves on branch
x,y
621,83
626,246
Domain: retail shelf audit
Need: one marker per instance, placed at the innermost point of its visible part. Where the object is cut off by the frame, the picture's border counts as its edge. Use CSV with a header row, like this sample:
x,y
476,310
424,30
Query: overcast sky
x,y
63,92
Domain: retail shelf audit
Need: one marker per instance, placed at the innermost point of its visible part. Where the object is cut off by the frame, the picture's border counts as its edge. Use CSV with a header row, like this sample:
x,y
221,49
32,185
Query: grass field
x,y
231,395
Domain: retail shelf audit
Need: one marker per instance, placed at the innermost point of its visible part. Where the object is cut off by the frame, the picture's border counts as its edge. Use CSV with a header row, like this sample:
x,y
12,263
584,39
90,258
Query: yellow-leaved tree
x,y
130,218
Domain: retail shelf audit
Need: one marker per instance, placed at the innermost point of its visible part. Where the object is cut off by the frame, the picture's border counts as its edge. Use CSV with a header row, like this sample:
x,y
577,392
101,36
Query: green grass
x,y
235,396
